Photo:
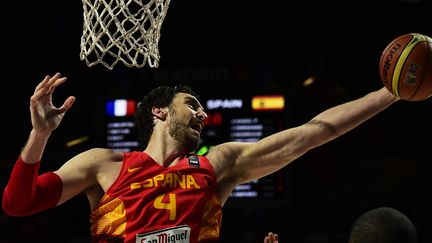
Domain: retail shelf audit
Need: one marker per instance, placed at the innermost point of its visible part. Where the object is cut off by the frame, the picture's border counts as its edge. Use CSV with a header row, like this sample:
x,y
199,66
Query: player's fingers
x,y
47,83
42,84
67,104
53,82
56,83
54,78
34,99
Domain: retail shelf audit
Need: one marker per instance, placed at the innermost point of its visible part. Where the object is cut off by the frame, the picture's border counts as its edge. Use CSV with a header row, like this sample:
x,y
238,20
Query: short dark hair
x,y
159,97
383,225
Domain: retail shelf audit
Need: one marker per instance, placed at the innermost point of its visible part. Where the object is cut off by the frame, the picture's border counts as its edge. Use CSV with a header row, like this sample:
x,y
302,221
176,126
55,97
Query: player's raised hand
x,y
45,116
271,238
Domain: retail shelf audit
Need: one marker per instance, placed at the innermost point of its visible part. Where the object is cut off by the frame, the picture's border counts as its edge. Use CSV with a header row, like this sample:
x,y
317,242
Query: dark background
x,y
259,47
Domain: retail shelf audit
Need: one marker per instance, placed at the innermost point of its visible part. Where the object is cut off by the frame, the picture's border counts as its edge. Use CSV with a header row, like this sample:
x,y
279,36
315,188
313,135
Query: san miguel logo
x,y
179,234
387,63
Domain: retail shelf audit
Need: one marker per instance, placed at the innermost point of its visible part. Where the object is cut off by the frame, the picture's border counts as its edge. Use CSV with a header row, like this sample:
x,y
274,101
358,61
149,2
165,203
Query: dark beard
x,y
180,132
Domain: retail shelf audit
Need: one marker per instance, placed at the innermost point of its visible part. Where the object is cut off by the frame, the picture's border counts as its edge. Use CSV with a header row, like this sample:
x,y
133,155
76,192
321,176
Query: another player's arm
x,y
236,163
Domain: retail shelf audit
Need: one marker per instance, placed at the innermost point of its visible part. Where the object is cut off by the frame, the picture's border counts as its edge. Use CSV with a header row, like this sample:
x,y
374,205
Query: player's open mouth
x,y
197,127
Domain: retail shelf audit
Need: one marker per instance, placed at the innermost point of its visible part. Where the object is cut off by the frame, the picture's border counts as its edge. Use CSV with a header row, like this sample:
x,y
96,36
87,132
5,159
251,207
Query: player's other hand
x,y
45,116
271,238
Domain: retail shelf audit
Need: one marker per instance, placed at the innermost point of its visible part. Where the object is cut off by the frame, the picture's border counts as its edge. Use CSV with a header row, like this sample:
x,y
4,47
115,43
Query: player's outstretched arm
x,y
26,192
237,163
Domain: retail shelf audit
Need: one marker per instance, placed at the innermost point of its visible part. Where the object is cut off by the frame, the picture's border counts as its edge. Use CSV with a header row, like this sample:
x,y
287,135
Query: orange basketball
x,y
406,67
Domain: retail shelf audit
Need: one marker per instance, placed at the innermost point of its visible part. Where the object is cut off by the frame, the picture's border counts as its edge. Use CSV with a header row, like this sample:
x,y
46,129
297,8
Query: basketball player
x,y
164,193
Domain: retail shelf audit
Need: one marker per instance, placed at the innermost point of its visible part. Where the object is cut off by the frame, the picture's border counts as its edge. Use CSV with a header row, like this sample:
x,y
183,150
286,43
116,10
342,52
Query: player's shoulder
x,y
103,154
94,160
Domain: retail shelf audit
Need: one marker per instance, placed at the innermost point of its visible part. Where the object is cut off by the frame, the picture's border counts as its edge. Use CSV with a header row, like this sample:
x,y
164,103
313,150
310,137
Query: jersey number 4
x,y
170,205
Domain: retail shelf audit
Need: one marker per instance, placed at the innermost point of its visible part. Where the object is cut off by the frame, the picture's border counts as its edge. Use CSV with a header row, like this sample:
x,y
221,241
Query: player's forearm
x,y
27,192
342,118
278,150
33,149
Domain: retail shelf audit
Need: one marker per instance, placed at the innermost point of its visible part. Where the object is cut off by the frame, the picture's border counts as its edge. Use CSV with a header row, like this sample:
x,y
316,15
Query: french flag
x,y
120,107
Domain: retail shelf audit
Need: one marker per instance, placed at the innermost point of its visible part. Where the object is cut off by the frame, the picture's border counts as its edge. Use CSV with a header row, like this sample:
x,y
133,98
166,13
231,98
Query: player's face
x,y
187,120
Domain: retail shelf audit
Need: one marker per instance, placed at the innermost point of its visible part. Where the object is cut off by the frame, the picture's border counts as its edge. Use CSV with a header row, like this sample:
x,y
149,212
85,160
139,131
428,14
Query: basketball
x,y
405,67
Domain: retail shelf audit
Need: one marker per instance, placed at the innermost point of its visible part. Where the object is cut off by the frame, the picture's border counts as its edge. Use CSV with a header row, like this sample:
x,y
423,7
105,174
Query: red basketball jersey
x,y
151,203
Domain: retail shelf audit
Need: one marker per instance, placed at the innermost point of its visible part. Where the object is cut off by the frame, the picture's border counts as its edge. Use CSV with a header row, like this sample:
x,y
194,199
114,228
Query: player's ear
x,y
159,113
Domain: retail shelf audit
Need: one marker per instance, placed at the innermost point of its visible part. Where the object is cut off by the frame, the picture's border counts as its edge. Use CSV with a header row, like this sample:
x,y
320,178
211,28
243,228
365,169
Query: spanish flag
x,y
268,103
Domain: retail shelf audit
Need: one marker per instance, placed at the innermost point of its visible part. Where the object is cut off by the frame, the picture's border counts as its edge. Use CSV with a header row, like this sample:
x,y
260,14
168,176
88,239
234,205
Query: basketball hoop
x,y
122,30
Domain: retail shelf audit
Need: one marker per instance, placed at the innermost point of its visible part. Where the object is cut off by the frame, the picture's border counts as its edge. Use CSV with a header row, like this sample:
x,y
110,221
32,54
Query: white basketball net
x,y
122,30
